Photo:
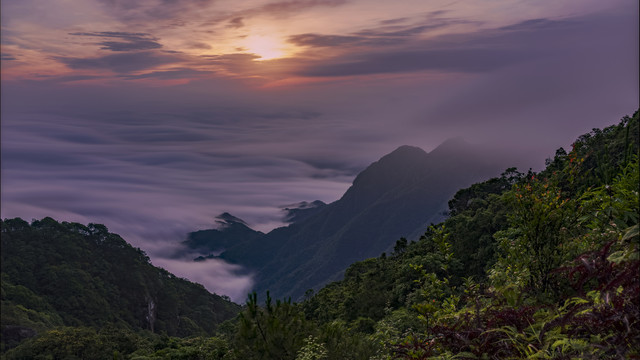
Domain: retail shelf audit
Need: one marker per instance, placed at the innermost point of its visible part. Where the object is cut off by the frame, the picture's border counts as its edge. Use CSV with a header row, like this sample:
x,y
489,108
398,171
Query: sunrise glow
x,y
266,47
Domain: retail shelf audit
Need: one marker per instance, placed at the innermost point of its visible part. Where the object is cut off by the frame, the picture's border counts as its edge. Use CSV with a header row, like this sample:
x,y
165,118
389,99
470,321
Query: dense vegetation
x,y
67,274
527,265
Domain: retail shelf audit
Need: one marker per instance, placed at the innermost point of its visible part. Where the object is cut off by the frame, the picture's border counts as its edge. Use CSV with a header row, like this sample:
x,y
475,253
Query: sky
x,y
154,116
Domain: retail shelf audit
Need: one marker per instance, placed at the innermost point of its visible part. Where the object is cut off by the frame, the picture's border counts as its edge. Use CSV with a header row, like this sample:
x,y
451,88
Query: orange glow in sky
x,y
266,47
113,39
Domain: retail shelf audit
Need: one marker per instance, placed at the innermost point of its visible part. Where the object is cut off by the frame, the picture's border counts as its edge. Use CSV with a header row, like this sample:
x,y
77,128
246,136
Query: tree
x,y
276,331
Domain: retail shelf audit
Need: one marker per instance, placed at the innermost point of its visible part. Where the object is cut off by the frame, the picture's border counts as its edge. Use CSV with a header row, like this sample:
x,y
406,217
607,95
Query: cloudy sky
x,y
154,116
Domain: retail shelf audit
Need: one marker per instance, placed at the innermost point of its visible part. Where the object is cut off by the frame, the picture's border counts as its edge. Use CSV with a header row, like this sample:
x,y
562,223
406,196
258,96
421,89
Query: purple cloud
x,y
132,41
120,63
456,60
390,34
177,73
286,7
236,22
403,52
318,40
152,9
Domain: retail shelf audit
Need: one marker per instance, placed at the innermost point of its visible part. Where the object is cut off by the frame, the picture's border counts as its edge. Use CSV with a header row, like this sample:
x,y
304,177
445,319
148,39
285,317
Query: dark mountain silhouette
x,y
231,232
225,219
397,196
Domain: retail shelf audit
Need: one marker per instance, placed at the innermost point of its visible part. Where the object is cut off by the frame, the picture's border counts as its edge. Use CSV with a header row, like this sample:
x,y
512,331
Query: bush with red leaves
x,y
604,319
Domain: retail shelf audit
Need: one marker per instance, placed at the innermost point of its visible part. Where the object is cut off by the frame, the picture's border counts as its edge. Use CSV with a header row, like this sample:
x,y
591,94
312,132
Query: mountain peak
x,y
395,168
405,152
455,144
401,158
226,219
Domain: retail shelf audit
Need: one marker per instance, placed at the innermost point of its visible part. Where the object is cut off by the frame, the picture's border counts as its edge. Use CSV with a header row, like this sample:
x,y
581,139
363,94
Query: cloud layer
x,y
155,116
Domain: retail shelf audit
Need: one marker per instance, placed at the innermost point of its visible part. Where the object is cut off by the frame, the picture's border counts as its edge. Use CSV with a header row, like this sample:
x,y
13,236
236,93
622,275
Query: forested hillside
x,y
527,265
67,274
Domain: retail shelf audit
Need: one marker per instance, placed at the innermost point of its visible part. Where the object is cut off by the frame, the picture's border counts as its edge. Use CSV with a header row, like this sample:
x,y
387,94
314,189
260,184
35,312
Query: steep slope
x,y
592,190
397,196
56,274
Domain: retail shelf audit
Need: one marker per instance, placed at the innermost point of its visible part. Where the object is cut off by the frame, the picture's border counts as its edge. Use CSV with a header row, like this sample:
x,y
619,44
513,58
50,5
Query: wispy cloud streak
x,y
129,41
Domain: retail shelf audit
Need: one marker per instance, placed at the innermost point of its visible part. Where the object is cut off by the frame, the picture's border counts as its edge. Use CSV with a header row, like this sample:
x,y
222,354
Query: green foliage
x,y
520,231
312,350
613,205
117,343
439,295
585,202
281,331
372,287
199,348
477,213
541,221
79,343
542,266
56,274
596,158
276,331
577,204
345,343
22,308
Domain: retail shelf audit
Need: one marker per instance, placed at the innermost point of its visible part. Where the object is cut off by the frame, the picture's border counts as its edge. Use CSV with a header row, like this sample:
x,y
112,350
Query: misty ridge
x,y
430,254
398,196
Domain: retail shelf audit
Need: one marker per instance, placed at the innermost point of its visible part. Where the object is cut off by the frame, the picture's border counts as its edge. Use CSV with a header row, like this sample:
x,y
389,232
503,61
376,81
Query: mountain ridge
x,y
397,196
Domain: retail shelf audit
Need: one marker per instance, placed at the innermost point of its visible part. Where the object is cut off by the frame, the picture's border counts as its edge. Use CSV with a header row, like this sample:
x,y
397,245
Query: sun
x,y
266,47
